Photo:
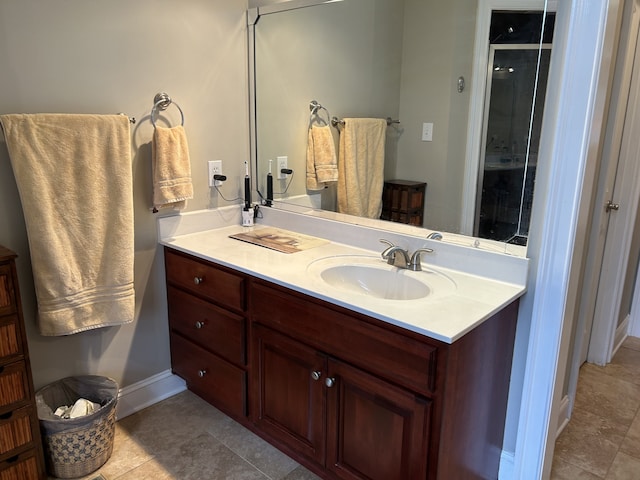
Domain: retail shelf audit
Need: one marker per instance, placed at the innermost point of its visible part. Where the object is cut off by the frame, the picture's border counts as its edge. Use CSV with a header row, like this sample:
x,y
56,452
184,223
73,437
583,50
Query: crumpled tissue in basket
x,y
81,408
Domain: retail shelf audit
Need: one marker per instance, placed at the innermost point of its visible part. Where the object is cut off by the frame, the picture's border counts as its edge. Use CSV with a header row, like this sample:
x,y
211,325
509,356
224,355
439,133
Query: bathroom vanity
x,y
343,388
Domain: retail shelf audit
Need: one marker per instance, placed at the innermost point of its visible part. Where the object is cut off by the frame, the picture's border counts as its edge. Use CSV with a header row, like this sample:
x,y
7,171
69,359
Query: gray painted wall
x,y
110,57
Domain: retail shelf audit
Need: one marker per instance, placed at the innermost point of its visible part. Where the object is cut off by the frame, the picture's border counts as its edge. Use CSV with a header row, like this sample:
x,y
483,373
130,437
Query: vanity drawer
x,y
210,377
401,359
202,278
211,327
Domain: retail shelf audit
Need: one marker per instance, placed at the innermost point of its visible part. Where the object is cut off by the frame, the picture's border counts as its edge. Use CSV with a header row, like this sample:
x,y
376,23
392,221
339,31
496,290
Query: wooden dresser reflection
x,y
403,201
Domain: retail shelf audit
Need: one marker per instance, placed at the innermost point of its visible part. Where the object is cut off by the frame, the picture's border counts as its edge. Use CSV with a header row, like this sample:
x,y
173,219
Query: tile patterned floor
x,y
602,439
185,438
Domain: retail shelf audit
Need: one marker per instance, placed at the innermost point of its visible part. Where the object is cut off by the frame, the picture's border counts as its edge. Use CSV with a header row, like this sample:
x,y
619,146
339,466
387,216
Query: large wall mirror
x,y
459,84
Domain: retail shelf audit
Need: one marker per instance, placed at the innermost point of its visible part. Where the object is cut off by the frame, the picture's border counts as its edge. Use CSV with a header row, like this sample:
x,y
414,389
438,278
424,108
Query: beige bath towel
x,y
74,176
361,167
322,164
171,168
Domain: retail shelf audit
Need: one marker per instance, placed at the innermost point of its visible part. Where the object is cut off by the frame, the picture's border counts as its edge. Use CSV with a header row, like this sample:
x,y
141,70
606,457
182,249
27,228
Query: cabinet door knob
x,y
202,373
199,324
198,280
330,382
316,375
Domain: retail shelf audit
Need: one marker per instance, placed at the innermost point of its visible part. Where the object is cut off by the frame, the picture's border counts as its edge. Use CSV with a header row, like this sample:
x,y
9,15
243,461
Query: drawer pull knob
x,y
330,382
199,324
202,373
198,280
316,375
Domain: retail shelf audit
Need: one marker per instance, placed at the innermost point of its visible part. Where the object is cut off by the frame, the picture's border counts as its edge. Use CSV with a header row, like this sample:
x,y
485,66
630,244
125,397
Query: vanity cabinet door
x,y
375,430
289,401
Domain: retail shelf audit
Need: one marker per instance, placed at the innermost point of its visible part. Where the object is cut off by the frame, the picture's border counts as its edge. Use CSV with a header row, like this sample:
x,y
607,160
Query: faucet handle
x,y
389,253
415,264
386,253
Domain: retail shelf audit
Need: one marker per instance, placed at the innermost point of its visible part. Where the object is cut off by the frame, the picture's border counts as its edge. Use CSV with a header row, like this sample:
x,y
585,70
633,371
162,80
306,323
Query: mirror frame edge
x,y
255,9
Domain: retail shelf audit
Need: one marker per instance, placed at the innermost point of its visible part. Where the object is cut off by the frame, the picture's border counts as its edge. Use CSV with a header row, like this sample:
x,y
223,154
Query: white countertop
x,y
444,317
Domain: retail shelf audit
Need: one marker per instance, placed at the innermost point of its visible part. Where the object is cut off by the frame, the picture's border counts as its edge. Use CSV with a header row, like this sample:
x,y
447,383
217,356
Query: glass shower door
x,y
511,137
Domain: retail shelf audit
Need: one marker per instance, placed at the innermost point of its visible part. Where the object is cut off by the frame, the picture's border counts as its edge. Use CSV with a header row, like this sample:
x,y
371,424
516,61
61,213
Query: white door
x,y
618,200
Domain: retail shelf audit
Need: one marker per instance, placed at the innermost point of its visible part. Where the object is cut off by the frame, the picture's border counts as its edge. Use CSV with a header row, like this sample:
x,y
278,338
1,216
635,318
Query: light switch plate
x,y
427,132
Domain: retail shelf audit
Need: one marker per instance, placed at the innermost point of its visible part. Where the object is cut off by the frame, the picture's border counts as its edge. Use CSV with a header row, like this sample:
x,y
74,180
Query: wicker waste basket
x,y
75,447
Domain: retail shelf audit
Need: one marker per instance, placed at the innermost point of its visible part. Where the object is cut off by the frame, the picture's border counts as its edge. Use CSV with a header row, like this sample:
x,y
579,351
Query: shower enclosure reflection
x,y
511,141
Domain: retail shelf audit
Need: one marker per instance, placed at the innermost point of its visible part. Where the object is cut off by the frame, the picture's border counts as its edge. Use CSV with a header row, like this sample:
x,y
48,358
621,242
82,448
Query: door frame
x,y
572,131
594,245
634,316
611,150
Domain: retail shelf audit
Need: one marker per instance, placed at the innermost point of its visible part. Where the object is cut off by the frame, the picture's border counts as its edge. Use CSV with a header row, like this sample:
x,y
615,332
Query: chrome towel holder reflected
x,y
132,120
161,102
314,108
335,121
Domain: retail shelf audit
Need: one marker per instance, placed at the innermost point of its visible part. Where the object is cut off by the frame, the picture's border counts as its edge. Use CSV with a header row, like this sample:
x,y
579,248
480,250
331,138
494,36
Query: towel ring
x,y
162,101
314,108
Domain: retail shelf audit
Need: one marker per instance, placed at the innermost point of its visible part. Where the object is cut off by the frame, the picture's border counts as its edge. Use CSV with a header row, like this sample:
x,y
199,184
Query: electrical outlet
x,y
427,132
281,163
215,168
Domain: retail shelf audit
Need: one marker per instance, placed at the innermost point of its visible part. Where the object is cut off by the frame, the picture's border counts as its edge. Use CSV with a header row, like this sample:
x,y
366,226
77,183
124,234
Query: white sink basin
x,y
373,277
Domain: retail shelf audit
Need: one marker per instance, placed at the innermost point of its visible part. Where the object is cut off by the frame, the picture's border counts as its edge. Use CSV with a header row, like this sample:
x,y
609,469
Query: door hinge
x,y
612,206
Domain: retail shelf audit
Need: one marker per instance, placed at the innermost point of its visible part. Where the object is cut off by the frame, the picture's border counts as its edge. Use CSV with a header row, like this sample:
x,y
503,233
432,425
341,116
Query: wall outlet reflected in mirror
x,y
215,168
281,163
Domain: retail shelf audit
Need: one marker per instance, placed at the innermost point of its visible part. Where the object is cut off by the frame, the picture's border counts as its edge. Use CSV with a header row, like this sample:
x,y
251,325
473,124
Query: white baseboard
x,y
507,463
564,414
145,393
507,459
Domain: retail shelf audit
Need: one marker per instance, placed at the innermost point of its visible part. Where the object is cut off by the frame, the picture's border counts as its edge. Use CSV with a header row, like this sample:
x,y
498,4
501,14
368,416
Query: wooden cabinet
x,y
21,454
403,201
374,428
351,423
349,396
290,404
208,330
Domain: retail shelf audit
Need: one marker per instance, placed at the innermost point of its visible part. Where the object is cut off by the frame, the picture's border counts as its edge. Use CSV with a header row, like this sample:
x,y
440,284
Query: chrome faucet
x,y
399,257
435,236
396,256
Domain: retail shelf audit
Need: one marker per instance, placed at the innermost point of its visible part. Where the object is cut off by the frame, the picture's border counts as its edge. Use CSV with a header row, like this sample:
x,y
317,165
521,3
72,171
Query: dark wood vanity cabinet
x,y
340,417
208,330
349,396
